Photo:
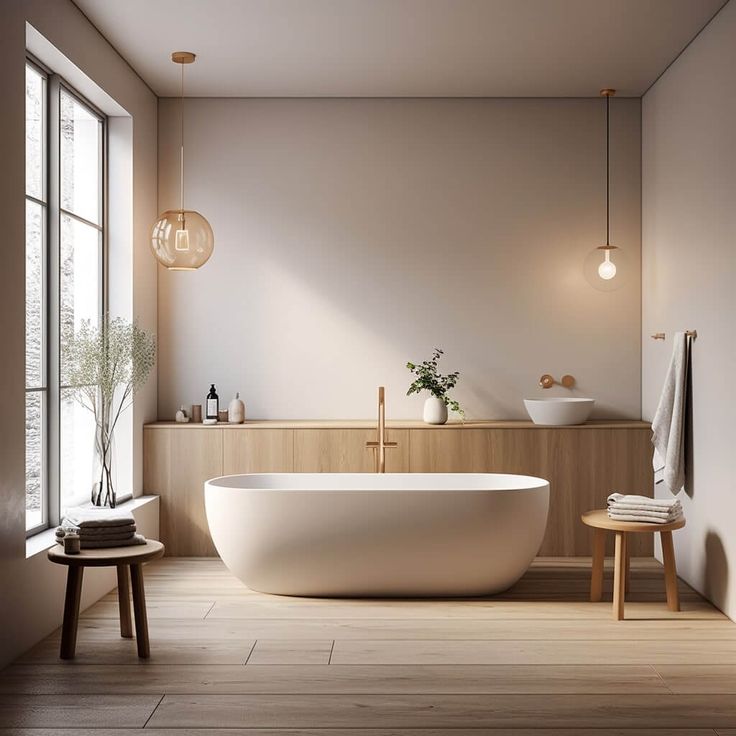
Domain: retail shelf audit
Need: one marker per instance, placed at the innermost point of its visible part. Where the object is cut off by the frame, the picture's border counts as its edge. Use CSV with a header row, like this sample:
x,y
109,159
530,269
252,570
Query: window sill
x,y
45,540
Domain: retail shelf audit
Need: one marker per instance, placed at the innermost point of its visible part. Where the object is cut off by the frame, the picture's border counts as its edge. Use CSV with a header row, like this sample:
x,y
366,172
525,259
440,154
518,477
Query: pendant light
x,y
601,267
181,239
607,268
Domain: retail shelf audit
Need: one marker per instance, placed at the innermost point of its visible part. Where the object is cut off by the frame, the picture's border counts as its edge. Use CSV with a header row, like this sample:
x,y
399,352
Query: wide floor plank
x,y
71,711
323,679
309,608
290,651
533,652
444,711
118,651
554,629
699,678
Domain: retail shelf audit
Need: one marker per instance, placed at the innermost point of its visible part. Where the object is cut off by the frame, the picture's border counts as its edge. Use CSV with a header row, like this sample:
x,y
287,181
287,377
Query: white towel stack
x,y
99,528
640,508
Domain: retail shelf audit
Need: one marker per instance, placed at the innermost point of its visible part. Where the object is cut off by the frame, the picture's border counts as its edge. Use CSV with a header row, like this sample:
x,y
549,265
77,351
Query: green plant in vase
x,y
428,378
106,365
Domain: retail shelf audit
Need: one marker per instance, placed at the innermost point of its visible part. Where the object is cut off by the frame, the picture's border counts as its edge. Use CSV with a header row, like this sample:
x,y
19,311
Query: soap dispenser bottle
x,y
213,404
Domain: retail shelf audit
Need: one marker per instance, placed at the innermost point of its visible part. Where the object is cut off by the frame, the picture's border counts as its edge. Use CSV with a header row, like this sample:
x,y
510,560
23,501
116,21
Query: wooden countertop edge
x,y
398,424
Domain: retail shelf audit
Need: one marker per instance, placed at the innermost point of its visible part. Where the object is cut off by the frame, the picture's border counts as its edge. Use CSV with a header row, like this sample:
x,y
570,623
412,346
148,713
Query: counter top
x,y
399,424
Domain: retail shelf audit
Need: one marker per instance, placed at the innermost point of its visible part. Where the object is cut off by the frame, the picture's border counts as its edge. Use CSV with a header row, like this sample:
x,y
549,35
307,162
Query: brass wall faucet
x,y
383,443
547,381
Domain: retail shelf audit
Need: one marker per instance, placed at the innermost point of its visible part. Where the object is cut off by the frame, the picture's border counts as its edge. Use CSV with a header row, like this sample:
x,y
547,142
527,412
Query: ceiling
x,y
401,48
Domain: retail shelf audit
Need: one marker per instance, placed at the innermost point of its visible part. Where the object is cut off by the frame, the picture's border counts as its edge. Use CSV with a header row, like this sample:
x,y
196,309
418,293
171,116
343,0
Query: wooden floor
x,y
539,659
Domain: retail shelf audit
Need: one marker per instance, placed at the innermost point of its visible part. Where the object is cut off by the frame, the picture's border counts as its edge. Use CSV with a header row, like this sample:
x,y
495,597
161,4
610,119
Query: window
x,y
65,259
36,293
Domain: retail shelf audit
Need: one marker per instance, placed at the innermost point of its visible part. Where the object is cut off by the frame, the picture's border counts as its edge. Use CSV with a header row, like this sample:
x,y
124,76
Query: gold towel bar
x,y
662,335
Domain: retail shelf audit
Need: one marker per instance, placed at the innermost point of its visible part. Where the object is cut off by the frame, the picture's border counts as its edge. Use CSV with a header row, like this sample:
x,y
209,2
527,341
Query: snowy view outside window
x,y
36,393
79,284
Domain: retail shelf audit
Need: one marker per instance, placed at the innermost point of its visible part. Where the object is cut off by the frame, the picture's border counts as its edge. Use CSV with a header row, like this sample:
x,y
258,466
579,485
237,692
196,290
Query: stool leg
x,y
599,555
71,611
628,565
619,577
139,611
126,624
670,571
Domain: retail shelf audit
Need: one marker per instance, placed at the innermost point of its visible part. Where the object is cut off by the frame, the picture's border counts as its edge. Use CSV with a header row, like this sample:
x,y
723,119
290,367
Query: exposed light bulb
x,y
182,241
607,269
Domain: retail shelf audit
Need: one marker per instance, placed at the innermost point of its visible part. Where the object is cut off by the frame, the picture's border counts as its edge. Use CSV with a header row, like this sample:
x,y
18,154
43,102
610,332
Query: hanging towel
x,y
668,426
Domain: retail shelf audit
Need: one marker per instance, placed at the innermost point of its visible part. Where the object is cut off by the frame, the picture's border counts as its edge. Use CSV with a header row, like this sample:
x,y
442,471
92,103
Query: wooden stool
x,y
129,562
601,523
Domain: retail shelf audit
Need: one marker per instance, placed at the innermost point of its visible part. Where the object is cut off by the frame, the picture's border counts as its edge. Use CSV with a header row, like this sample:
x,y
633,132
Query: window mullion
x,y
53,316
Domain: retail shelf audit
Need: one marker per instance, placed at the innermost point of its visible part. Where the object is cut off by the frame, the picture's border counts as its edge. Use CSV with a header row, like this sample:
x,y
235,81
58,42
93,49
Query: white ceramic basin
x,y
559,411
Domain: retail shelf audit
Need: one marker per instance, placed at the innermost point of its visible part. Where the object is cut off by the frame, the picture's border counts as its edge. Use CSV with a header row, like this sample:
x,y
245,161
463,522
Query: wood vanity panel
x,y
258,451
344,451
178,477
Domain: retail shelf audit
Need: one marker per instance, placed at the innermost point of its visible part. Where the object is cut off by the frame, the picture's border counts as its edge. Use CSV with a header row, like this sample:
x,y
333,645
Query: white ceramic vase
x,y
435,411
236,411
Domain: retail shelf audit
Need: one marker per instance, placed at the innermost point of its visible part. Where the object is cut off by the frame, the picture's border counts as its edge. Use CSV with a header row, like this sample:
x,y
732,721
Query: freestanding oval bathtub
x,y
393,534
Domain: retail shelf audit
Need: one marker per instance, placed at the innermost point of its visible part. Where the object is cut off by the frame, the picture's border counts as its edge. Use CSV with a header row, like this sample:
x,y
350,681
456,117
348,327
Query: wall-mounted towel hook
x,y
663,335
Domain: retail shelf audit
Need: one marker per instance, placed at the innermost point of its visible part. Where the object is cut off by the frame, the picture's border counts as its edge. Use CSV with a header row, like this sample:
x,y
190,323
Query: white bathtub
x,y
356,534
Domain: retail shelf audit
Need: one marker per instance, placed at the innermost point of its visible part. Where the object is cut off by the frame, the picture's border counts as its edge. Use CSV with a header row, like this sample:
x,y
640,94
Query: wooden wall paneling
x,y
258,451
449,451
156,460
194,456
344,451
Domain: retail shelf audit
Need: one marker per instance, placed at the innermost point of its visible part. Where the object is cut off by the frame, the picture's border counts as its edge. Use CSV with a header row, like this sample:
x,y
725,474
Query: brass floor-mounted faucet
x,y
383,443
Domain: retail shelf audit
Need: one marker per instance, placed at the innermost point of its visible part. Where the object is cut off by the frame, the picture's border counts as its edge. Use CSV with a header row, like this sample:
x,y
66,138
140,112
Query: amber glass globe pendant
x,y
181,239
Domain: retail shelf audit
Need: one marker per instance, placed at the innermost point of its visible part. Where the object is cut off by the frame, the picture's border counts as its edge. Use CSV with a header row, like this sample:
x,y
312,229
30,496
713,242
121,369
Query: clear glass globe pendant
x,y
182,240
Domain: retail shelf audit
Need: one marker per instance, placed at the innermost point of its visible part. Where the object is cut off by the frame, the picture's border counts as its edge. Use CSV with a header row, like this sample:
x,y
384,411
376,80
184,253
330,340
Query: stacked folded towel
x,y
102,527
640,508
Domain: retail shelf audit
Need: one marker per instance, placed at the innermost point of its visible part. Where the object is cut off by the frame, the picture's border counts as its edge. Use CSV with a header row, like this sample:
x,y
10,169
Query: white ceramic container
x,y
559,411
435,411
236,411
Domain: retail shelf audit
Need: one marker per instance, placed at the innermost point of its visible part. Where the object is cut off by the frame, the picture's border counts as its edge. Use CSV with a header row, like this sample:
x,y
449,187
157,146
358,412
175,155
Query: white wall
x,y
689,275
354,235
25,610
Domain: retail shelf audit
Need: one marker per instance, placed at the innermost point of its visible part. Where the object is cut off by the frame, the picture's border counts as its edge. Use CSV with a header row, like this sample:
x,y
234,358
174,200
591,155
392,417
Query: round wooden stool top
x,y
136,554
600,520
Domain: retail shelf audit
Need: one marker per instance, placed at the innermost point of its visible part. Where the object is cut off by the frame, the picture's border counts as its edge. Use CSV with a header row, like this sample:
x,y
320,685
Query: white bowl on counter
x,y
555,412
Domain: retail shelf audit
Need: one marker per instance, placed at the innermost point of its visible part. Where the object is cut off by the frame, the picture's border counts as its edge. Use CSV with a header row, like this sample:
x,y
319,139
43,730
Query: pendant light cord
x,y
181,150
608,169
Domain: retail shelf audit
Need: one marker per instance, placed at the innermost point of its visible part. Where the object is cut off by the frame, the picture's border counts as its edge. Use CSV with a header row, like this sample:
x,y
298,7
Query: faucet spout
x,y
380,446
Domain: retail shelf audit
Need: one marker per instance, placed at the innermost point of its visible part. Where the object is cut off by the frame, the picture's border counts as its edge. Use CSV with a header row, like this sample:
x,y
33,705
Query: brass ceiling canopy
x,y
183,57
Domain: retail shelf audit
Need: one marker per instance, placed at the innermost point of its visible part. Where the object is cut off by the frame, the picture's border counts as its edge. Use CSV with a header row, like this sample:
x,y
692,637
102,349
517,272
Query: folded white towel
x,y
104,543
641,518
668,425
643,502
91,516
663,516
99,532
105,537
